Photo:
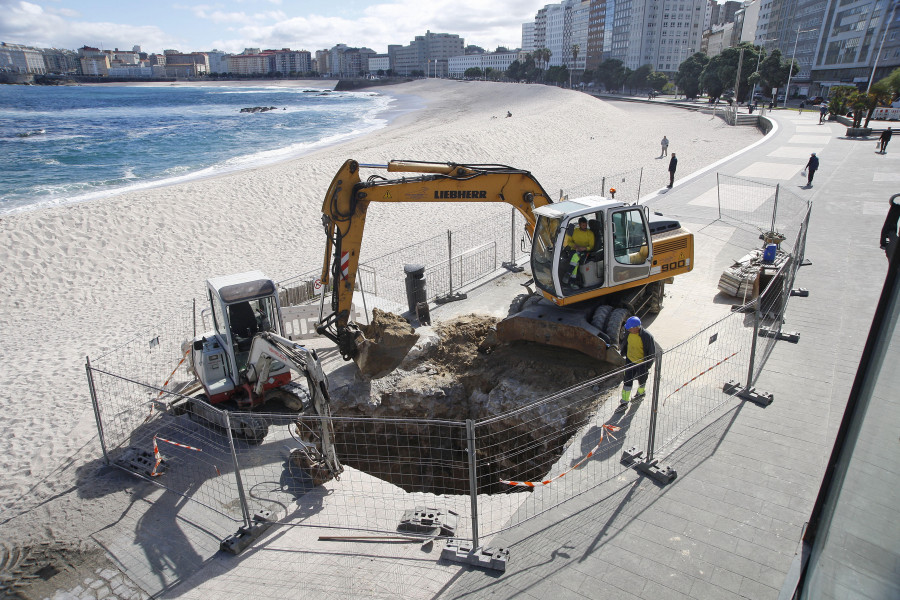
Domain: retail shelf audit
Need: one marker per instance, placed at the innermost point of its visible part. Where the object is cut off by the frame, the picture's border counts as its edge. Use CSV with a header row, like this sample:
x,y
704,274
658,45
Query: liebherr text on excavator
x,y
632,257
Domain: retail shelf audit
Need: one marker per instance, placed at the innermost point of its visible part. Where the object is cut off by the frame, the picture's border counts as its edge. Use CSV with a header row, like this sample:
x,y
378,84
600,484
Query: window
x,y
630,237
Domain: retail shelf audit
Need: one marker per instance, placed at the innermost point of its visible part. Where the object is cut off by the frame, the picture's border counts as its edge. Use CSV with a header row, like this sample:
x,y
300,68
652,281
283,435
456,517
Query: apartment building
x,y
661,33
429,53
16,58
498,61
850,39
288,61
561,27
248,64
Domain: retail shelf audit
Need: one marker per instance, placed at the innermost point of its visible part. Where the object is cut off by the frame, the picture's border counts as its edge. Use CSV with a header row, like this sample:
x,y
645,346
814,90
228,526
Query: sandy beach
x,y
81,279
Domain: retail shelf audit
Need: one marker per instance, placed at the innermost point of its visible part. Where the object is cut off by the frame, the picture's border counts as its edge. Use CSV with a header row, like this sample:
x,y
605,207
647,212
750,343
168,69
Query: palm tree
x,y
575,49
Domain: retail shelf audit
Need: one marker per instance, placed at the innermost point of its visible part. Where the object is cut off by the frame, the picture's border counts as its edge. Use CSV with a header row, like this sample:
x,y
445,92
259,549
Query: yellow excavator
x,y
586,292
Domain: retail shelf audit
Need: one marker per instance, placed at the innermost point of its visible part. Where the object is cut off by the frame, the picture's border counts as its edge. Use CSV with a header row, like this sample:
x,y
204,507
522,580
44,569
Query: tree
x,y
473,73
514,71
892,82
558,74
774,71
721,71
689,74
880,93
472,49
611,73
542,57
638,78
657,81
575,49
838,98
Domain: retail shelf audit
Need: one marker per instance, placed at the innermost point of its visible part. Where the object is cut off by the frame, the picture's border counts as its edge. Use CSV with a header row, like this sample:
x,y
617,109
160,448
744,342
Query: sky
x,y
232,25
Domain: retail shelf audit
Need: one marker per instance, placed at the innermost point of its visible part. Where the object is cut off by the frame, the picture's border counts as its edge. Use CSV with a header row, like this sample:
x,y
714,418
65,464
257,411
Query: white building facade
x,y
498,61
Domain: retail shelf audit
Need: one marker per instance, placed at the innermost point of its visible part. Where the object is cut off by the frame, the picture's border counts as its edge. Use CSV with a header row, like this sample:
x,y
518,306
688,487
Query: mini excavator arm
x,y
268,347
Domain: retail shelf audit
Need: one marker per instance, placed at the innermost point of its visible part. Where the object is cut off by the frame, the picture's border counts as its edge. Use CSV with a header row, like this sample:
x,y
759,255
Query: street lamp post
x,y
887,26
787,90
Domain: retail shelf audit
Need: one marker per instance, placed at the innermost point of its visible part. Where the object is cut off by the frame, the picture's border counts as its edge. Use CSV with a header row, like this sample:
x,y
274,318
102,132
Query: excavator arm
x,y
347,201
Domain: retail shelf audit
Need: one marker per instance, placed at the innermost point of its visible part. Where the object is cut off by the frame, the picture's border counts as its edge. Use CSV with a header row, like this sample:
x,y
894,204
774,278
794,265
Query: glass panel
x,y
857,549
630,237
542,248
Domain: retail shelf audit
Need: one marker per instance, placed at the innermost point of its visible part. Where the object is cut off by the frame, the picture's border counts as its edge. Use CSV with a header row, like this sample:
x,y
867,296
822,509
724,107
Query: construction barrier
x,y
495,469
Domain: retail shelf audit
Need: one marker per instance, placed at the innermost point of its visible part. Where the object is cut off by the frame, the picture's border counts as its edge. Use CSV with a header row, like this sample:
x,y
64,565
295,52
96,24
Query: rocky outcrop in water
x,y
256,109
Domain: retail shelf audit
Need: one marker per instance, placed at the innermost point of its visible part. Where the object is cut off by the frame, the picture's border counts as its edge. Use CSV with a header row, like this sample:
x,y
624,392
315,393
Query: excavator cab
x,y
619,249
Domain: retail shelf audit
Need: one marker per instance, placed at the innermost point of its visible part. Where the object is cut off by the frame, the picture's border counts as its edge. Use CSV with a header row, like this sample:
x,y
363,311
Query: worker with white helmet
x,y
639,349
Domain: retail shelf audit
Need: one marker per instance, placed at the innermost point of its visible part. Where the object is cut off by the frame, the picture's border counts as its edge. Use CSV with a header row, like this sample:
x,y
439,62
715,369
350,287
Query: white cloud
x,y
240,24
29,24
485,24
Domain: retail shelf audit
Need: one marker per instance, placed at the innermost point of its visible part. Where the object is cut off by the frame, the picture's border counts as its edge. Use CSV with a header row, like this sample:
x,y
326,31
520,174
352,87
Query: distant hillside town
x,y
832,42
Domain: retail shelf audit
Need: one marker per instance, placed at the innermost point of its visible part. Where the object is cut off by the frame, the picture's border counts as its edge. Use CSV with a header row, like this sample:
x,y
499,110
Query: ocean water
x,y
75,143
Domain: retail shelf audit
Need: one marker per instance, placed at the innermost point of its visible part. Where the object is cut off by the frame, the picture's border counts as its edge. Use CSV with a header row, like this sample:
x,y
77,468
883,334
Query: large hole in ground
x,y
453,381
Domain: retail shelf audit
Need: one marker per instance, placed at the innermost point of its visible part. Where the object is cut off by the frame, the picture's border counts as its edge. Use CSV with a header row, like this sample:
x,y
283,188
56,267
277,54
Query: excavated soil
x,y
453,375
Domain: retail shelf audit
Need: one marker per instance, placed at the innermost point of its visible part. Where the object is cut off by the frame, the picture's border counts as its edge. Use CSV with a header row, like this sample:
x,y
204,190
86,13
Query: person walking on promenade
x,y
823,112
665,146
811,167
884,139
802,106
673,164
638,348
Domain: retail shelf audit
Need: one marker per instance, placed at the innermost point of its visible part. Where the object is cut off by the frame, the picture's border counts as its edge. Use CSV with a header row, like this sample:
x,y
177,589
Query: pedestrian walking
x,y
885,138
638,348
665,146
673,164
823,112
802,106
810,169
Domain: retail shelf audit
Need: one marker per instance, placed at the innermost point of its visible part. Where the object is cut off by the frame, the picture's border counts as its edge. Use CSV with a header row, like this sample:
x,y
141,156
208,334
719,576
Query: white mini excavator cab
x,y
242,306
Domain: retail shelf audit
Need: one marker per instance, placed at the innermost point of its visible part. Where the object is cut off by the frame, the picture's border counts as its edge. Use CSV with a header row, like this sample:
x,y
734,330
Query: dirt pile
x,y
451,380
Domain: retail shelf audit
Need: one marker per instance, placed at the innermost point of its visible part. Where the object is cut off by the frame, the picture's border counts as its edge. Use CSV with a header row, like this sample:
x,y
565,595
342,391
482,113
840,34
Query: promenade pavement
x,y
730,524
727,527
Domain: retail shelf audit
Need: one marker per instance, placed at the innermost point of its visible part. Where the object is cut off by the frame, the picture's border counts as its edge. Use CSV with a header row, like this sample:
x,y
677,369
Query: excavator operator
x,y
580,242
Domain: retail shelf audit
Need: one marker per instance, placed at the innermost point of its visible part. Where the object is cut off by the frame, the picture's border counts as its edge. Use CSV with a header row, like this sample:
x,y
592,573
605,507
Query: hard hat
x,y
632,322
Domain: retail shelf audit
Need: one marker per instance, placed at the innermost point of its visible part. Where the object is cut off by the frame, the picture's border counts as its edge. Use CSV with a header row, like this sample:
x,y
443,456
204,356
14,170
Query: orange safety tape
x,y
698,376
605,427
162,391
158,456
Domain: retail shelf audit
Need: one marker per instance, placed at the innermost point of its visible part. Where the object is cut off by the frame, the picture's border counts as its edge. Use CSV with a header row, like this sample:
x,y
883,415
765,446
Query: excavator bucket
x,y
558,326
386,342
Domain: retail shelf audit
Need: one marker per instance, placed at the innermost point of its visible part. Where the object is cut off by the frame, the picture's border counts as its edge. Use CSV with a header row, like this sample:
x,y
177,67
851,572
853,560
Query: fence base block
x,y
782,336
141,461
454,297
734,388
801,292
236,543
486,558
664,475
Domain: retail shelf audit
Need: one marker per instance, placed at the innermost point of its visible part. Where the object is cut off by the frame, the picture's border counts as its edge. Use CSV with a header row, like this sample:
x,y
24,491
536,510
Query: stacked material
x,y
741,278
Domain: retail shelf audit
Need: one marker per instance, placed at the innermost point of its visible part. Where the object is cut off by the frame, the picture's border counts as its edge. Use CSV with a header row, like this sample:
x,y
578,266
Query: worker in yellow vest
x,y
580,242
639,350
